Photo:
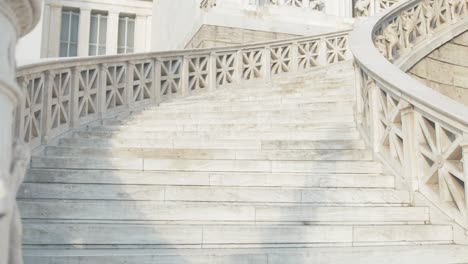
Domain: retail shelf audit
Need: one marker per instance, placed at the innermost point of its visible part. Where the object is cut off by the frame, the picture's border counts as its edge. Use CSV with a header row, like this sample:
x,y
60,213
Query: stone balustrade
x,y
65,94
361,8
420,134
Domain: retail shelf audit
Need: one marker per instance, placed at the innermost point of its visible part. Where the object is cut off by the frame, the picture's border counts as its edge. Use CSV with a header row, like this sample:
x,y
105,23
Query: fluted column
x,y
17,17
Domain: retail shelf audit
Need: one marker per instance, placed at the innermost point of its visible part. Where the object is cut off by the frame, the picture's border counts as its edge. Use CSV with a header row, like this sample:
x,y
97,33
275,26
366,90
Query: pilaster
x,y
83,35
112,33
53,29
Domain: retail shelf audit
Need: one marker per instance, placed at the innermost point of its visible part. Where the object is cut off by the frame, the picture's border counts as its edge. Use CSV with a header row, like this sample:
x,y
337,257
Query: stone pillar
x,y
83,37
112,33
16,19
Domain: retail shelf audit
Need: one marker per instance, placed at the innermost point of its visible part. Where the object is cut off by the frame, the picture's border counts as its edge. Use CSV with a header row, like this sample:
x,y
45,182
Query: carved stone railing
x,y
207,4
365,8
318,5
66,94
419,133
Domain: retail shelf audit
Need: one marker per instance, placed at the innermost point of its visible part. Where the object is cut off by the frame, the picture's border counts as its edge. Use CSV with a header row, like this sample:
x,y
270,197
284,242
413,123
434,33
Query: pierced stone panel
x,y
59,107
280,59
337,48
87,93
384,4
367,85
252,64
116,83
225,68
441,162
308,54
142,81
171,72
32,112
391,139
198,68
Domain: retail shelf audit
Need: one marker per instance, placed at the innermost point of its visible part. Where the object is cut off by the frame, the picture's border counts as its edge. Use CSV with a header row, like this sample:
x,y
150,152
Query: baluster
x,y
322,59
465,170
239,67
266,61
102,91
157,81
129,102
212,72
294,53
74,111
410,148
374,114
46,107
184,77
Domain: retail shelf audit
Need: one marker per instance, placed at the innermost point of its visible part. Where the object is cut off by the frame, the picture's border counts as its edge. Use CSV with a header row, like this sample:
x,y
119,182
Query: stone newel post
x,y
17,17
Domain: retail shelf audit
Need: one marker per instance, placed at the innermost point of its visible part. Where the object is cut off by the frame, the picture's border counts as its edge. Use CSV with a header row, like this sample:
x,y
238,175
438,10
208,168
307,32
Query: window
x,y
69,33
126,34
98,34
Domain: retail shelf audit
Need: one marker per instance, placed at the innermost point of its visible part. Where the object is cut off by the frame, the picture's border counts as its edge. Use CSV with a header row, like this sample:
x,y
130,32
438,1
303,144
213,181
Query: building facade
x,y
78,28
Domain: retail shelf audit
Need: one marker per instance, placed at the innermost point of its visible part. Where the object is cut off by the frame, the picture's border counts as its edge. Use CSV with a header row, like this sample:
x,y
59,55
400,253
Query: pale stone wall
x,y
446,69
216,36
175,23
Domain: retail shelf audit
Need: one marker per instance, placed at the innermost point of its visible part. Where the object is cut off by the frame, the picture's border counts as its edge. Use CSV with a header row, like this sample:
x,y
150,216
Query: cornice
x,y
24,14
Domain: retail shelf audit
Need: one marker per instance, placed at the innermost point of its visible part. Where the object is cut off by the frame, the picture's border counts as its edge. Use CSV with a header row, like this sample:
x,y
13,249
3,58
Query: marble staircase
x,y
273,174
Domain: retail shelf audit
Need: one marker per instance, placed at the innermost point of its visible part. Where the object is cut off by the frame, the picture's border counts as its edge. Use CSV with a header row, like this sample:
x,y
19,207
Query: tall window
x,y
98,34
69,33
126,42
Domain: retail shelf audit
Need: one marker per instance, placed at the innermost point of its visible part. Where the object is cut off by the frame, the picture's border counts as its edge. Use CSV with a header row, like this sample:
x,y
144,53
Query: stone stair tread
x,y
408,254
224,235
303,180
238,154
193,211
149,164
346,196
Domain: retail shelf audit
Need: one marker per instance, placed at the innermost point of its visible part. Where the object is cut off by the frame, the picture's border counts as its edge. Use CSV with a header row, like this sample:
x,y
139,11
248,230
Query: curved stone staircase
x,y
273,174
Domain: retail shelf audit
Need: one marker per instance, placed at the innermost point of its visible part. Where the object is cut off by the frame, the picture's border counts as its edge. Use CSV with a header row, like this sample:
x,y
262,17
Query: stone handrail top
x,y
60,63
402,84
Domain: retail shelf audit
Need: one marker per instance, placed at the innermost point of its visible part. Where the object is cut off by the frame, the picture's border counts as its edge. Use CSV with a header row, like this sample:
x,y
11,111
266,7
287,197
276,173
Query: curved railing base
x,y
419,133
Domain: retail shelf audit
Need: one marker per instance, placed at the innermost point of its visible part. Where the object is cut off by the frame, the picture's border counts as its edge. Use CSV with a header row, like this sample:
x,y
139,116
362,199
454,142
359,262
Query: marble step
x,y
343,196
167,114
228,127
407,254
274,101
295,119
95,235
336,134
196,212
149,164
211,154
215,144
208,109
303,90
303,180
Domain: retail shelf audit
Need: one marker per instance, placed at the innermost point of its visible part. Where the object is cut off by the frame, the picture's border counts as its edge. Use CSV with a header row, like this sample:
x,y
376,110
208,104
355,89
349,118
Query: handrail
x,y
65,94
419,133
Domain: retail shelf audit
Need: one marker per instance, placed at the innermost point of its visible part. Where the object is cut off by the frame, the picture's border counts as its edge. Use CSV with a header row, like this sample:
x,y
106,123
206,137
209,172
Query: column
x,y
16,19
83,31
52,39
112,32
